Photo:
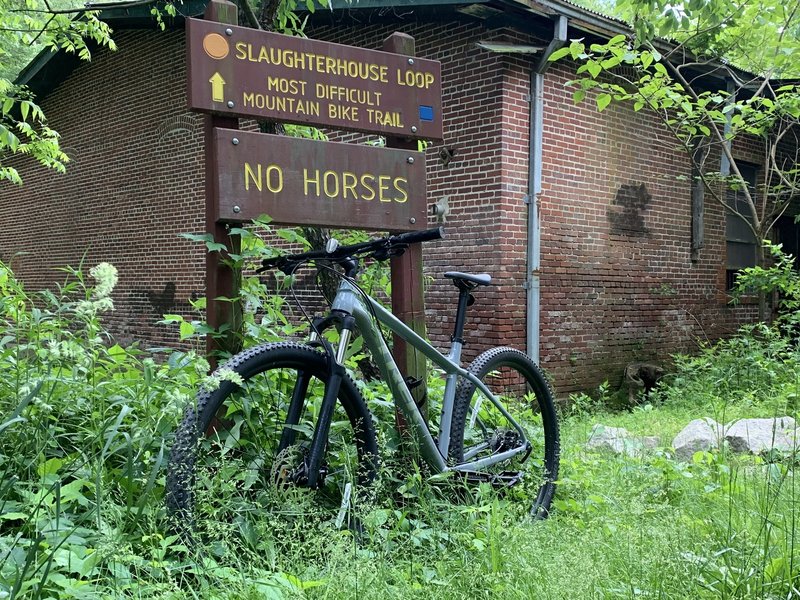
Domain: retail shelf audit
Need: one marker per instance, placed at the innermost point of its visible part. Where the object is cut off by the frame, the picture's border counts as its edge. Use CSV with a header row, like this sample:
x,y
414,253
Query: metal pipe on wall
x,y
535,154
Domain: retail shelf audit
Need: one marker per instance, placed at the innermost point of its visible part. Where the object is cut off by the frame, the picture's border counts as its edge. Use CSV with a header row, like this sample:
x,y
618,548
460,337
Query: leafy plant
x,y
780,279
581,403
24,129
83,431
707,119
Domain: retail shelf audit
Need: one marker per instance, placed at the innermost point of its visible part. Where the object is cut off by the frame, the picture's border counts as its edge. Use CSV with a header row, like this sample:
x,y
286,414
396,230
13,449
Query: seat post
x,y
465,282
461,313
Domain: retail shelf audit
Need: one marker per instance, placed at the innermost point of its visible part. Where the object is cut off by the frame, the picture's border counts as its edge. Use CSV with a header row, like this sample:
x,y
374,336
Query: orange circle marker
x,y
216,46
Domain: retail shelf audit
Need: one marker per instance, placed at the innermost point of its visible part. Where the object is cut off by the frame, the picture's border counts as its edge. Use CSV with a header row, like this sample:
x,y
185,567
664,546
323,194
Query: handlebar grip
x,y
414,237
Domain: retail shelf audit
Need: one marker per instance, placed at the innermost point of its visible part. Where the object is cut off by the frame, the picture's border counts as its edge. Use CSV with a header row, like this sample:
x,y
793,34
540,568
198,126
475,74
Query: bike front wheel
x,y
480,430
236,469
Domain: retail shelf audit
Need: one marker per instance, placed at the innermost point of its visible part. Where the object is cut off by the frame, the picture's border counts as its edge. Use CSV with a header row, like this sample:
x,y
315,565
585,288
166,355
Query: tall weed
x,y
84,430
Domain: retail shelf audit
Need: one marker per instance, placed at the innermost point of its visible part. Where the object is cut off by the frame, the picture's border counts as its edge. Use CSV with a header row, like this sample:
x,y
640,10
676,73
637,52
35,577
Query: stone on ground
x,y
758,436
700,435
618,440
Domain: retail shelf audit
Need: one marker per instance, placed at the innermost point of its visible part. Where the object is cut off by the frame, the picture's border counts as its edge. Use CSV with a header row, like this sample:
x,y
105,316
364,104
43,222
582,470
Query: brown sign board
x,y
238,71
297,181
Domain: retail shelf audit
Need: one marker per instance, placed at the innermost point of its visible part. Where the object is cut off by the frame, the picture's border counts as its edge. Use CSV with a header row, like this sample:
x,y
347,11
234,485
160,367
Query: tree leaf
x,y
603,100
187,330
558,54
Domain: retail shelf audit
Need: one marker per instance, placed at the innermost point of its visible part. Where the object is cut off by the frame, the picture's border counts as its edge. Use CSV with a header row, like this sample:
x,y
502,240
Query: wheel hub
x,y
290,467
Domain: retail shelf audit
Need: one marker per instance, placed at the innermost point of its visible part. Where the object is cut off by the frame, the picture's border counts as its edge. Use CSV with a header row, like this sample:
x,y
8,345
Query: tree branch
x,y
249,14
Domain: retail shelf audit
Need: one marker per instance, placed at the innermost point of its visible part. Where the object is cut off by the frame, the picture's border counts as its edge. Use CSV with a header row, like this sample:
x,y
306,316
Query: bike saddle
x,y
468,280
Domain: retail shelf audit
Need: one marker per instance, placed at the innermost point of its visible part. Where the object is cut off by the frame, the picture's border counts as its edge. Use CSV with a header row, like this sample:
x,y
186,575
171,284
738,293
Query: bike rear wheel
x,y
237,463
479,429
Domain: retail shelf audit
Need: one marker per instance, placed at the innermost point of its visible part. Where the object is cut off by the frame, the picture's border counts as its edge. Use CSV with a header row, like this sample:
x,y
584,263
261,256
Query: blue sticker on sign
x,y
426,113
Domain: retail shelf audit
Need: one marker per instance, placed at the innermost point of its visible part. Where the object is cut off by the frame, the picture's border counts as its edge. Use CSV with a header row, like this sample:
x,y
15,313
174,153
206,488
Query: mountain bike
x,y
288,423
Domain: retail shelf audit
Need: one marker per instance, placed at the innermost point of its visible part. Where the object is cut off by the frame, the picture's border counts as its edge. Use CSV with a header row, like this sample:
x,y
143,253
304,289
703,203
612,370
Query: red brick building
x,y
583,218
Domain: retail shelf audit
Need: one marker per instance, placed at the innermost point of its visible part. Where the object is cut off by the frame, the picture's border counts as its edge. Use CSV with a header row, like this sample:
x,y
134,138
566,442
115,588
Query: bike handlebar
x,y
381,249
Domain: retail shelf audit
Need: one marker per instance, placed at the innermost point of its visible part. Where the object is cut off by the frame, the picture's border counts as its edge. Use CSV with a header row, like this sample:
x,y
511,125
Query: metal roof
x,y
48,69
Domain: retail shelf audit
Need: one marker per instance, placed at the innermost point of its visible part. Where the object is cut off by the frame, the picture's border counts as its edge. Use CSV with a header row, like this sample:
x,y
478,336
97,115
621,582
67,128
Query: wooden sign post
x,y
221,280
408,302
240,72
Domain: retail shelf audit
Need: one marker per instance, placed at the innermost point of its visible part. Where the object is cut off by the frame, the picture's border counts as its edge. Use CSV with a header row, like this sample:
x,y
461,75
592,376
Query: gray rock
x,y
699,435
604,437
618,440
762,435
650,442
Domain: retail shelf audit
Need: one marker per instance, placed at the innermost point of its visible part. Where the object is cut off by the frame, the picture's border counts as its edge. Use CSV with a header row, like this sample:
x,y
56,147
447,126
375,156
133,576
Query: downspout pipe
x,y
535,153
724,163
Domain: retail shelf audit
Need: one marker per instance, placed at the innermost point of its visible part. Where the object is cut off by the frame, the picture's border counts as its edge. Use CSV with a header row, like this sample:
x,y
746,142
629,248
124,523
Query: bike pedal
x,y
510,478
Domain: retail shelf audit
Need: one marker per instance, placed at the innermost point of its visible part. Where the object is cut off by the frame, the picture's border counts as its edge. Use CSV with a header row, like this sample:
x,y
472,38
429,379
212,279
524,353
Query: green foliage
x,y
646,73
37,24
780,279
85,427
757,369
83,430
581,403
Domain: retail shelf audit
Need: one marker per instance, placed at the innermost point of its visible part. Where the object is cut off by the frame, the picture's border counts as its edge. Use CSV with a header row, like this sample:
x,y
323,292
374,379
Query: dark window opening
x,y
740,239
787,233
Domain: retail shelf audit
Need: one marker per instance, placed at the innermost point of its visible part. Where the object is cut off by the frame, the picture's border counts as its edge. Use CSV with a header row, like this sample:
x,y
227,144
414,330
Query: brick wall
x,y
135,182
486,133
617,280
618,283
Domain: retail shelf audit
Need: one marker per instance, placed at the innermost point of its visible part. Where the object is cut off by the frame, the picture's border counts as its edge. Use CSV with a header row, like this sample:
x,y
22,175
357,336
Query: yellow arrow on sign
x,y
217,88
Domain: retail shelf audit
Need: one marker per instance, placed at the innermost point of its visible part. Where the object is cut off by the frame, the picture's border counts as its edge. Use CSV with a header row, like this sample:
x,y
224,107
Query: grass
x,y
85,430
623,528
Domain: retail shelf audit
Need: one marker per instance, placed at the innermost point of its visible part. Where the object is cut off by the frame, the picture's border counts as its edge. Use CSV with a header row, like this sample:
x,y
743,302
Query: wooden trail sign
x,y
307,182
234,71
237,71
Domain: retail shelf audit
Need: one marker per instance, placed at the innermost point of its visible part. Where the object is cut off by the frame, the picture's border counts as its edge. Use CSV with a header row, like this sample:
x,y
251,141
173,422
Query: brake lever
x,y
389,251
276,262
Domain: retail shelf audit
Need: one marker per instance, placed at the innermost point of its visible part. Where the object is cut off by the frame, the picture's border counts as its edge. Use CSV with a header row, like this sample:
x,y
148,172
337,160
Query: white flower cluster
x,y
66,349
106,278
105,274
214,380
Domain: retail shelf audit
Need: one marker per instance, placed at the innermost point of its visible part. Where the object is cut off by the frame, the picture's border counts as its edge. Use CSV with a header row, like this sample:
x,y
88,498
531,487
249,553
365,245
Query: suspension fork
x,y
300,390
322,428
295,410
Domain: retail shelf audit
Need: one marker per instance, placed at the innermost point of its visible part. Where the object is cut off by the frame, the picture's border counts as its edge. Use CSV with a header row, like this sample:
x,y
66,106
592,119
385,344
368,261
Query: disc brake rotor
x,y
289,466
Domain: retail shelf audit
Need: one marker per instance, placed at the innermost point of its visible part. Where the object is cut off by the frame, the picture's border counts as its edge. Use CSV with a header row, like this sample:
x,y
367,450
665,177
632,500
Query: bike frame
x,y
351,301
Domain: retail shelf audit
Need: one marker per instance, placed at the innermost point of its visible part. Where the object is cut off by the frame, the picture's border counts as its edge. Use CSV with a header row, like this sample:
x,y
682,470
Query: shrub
x,y
84,427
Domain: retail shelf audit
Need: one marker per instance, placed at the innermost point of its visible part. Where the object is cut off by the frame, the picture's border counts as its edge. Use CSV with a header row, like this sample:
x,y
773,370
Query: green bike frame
x,y
352,301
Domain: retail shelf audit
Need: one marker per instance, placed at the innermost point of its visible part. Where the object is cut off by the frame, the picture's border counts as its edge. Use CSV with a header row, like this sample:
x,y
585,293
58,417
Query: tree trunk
x,y
328,281
762,295
269,12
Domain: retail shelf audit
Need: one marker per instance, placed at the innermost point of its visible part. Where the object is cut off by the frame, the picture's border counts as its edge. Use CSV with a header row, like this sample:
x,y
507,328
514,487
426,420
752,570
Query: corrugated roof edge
x,y
41,75
120,15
